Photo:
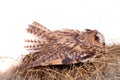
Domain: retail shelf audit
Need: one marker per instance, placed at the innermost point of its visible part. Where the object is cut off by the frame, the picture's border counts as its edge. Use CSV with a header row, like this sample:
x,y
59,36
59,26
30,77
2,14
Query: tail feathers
x,y
38,30
40,26
34,41
34,44
33,47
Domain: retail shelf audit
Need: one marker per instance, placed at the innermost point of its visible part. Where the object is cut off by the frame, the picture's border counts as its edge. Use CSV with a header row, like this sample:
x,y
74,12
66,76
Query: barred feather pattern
x,y
61,46
38,30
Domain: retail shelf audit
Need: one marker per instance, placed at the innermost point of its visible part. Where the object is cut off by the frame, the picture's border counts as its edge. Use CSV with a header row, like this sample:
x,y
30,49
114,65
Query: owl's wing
x,y
71,38
50,54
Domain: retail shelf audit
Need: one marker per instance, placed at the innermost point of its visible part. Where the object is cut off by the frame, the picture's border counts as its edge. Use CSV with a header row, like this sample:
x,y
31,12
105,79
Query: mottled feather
x,y
65,46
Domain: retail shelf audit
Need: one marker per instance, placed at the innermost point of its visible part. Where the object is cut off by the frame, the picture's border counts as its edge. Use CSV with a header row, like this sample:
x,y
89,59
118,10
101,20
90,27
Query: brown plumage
x,y
62,46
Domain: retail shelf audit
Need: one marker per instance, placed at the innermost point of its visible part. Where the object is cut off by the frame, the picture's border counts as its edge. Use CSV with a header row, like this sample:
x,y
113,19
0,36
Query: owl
x,y
62,47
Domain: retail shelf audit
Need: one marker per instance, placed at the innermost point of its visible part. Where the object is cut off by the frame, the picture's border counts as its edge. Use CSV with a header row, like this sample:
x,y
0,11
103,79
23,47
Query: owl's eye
x,y
96,38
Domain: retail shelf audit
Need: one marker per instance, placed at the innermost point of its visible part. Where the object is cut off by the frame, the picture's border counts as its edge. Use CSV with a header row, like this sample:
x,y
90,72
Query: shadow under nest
x,y
107,67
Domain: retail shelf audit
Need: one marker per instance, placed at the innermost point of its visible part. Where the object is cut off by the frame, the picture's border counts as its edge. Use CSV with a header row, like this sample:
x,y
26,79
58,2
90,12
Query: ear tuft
x,y
88,30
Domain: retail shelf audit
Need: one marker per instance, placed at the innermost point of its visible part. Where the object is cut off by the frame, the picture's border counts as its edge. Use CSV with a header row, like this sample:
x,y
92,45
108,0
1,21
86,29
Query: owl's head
x,y
95,38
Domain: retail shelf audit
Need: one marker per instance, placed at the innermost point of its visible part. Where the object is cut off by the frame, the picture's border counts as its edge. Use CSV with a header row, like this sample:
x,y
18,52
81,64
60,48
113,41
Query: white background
x,y
15,15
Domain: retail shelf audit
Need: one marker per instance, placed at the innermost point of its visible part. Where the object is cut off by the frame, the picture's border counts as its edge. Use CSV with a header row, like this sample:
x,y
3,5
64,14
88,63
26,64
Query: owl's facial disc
x,y
100,38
